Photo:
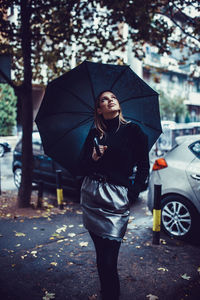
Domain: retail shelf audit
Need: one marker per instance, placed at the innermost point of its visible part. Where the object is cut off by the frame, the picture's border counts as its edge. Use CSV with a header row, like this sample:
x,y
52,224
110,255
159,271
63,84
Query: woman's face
x,y
108,105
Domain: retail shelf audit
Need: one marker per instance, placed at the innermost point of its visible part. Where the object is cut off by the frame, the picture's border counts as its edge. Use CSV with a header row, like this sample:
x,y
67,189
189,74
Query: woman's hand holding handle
x,y
102,149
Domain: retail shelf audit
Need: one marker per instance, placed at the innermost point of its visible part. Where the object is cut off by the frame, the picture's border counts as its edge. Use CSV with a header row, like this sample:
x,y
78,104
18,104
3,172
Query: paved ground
x,y
53,257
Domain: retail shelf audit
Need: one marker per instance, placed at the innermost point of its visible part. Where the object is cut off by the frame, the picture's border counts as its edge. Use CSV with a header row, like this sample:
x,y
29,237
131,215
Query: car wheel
x,y
2,150
179,217
17,177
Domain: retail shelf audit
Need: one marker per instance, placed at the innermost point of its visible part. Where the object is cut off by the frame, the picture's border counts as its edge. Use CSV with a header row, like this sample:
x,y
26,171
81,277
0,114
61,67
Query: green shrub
x,y
8,102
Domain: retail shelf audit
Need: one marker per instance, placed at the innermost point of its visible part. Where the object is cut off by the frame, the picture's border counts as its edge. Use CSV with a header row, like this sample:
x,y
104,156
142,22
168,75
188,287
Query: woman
x,y
104,199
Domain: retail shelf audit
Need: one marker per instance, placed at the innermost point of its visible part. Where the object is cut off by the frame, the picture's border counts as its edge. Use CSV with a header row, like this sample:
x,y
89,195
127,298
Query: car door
x,y
43,169
193,169
36,155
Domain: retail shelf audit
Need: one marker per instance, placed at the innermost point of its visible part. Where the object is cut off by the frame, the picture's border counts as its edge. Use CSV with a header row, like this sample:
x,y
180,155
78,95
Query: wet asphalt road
x,y
54,256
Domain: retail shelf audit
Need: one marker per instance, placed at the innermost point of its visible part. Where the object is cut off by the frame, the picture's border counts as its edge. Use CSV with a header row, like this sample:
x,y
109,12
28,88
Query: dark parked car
x,y
44,168
4,147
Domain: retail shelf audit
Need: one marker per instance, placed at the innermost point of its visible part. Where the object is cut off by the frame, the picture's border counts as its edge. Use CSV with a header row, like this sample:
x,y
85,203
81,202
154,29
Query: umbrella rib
x,y
68,113
143,123
118,77
69,130
80,113
81,100
90,80
137,97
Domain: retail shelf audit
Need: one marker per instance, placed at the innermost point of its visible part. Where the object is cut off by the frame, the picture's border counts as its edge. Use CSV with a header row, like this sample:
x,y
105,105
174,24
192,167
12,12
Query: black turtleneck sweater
x,y
127,147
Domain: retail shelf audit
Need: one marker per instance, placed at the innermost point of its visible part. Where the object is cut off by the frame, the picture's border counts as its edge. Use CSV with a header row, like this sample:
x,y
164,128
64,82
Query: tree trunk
x,y
24,194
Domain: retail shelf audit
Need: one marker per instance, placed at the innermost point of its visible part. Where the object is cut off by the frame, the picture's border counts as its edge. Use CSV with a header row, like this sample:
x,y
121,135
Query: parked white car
x,y
179,174
4,147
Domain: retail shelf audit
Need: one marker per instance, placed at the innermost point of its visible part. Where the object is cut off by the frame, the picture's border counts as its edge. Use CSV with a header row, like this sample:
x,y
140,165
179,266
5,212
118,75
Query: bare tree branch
x,y
179,26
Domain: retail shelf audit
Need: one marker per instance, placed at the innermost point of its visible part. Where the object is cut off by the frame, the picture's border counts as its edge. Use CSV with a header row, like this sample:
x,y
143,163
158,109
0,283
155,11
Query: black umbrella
x,y
67,110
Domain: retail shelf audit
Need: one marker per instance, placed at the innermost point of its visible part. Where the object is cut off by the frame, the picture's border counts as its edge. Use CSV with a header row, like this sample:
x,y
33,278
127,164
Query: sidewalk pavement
x,y
53,258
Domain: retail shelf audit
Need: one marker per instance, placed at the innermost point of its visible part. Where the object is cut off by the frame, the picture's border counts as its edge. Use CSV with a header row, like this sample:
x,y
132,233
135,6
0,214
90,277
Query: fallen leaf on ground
x,y
54,263
152,297
83,244
20,234
58,235
79,212
34,253
185,276
70,226
39,246
47,205
71,234
162,269
63,228
60,241
48,296
163,242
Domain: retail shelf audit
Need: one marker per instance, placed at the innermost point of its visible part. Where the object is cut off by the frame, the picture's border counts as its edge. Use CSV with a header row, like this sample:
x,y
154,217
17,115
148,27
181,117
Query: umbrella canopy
x,y
67,110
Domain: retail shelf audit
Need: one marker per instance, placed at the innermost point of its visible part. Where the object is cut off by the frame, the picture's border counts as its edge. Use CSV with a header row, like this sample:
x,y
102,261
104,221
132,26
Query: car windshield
x,y
195,148
36,138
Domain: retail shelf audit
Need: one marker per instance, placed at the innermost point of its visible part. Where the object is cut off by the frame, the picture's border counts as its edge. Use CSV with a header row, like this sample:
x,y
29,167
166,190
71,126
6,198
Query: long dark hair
x,y
99,120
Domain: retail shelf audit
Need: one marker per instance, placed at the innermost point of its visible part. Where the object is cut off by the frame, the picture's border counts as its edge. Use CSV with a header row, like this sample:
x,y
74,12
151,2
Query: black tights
x,y
106,257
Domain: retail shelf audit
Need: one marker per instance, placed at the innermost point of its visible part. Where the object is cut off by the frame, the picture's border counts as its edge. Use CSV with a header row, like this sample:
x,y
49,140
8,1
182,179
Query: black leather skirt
x,y
105,207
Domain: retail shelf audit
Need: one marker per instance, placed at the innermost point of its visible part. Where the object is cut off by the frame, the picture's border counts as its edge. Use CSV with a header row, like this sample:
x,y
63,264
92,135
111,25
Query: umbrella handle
x,y
96,145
